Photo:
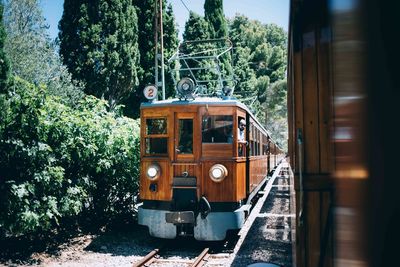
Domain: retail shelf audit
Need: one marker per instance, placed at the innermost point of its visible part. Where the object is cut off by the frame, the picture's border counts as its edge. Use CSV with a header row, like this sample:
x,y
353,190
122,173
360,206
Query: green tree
x,y
214,15
98,42
260,67
196,31
275,108
245,76
265,51
145,11
170,46
276,35
32,55
4,64
196,28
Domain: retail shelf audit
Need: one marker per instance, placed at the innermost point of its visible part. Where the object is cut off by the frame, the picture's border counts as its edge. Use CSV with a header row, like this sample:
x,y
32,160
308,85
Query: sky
x,y
266,11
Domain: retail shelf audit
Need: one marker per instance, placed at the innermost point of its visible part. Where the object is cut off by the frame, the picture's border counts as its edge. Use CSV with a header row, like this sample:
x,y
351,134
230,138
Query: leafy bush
x,y
57,162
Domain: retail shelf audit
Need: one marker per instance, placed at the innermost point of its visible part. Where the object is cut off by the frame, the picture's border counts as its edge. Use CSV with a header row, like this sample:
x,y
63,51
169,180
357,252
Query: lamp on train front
x,y
153,172
186,88
218,172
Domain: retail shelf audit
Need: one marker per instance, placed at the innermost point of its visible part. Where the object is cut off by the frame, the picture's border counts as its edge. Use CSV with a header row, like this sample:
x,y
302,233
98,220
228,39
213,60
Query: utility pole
x,y
159,38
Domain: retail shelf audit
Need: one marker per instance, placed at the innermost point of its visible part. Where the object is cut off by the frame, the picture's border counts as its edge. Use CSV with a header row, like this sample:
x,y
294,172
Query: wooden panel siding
x,y
325,93
224,191
179,169
212,151
310,111
240,180
258,170
163,191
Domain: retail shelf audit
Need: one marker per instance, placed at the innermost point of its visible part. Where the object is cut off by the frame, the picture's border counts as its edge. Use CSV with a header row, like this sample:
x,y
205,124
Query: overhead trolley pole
x,y
159,39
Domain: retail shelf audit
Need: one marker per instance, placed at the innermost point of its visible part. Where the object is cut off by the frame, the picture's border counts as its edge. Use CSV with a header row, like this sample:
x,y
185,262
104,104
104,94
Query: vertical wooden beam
x,y
325,94
311,106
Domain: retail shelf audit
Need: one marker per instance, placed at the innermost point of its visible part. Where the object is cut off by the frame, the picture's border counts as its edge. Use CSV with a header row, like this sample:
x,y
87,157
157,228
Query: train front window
x,y
156,138
156,146
185,145
156,126
217,129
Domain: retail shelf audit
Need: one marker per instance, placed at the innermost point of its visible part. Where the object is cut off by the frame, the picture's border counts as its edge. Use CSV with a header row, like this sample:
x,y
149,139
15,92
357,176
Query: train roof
x,y
197,101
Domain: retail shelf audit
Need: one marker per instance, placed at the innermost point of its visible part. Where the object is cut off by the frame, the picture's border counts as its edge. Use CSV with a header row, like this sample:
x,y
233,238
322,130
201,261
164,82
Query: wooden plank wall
x,y
310,124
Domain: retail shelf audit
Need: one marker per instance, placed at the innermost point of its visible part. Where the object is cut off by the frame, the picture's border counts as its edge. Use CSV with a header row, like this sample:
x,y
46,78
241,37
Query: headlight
x,y
153,172
218,172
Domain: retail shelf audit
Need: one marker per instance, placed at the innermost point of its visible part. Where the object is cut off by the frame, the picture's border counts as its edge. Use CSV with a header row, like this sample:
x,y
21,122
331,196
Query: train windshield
x,y
217,129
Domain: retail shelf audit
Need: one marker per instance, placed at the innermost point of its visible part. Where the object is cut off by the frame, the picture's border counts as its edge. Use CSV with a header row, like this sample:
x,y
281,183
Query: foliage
x,y
98,42
57,162
260,68
145,11
274,112
259,60
4,64
244,74
32,55
214,15
170,46
196,28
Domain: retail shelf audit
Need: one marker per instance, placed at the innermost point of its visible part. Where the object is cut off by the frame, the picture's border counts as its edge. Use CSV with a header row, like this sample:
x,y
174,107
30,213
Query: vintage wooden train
x,y
196,177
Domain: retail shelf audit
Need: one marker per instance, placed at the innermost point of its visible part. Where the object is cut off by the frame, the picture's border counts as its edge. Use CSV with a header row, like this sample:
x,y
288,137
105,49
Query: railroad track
x,y
153,257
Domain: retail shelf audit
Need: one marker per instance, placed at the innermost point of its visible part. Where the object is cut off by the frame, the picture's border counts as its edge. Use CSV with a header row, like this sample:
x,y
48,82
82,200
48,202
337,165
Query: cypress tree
x,y
145,12
171,44
196,28
98,42
4,64
214,15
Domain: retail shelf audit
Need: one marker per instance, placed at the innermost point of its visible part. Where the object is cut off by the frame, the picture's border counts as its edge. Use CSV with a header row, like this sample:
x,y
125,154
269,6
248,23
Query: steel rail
x,y
146,258
200,260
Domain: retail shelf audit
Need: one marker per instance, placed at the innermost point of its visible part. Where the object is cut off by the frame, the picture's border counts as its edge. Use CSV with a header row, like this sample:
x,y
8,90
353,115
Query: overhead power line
x,y
183,3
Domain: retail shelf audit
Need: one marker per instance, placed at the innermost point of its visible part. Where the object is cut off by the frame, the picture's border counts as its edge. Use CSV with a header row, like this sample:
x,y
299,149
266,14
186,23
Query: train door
x,y
184,182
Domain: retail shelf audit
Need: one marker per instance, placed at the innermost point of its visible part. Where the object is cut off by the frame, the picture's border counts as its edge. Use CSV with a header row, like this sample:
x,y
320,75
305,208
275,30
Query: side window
x,y
252,138
185,145
241,137
217,129
156,138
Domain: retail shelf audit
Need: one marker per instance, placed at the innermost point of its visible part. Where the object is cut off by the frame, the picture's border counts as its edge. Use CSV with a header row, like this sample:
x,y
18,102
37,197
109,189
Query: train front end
x,y
193,171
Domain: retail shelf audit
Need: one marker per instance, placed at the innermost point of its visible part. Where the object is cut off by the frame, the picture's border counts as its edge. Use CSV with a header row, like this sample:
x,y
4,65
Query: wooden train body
x,y
197,178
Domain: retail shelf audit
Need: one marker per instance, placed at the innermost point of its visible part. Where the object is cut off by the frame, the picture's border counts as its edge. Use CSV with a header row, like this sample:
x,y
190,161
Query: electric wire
x,y
183,3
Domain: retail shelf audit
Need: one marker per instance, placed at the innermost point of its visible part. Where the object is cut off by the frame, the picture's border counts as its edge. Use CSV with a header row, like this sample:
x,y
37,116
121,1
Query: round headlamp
x,y
186,87
153,172
218,172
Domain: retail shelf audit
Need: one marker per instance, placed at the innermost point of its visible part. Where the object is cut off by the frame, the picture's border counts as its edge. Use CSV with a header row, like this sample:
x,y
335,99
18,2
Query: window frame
x,y
146,136
232,129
